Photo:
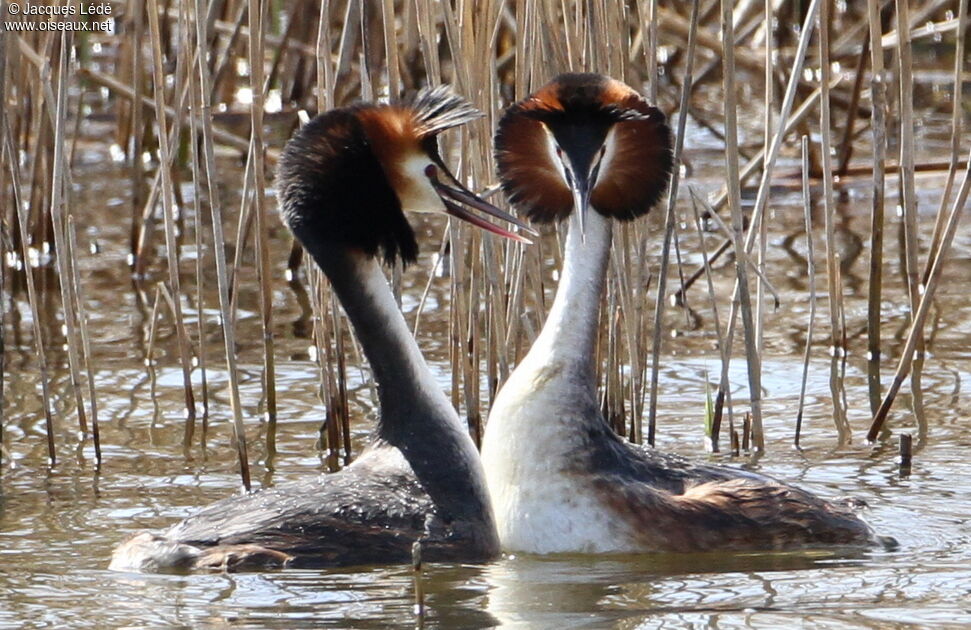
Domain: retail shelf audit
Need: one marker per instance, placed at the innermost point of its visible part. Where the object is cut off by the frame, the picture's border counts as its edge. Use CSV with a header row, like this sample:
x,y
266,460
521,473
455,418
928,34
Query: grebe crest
x,y
586,132
349,175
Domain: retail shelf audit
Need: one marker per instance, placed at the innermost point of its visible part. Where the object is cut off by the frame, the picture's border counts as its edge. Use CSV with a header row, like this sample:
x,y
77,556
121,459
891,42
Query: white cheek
x,y
610,152
554,158
418,195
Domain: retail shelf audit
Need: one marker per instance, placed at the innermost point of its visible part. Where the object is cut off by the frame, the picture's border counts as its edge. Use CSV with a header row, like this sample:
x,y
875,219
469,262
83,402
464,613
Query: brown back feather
x,y
731,515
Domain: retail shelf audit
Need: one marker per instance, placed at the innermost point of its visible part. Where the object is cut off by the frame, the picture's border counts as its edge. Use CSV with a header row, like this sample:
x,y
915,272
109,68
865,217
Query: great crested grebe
x,y
345,181
560,479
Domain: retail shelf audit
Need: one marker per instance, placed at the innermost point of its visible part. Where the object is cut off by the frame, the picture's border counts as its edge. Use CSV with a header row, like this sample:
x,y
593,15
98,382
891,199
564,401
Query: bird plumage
x,y
333,187
438,109
560,480
345,181
592,112
349,175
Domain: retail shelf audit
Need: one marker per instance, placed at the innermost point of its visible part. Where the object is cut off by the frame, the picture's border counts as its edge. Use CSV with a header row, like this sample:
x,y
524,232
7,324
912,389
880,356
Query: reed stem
x,y
735,207
811,279
219,248
938,258
878,124
670,220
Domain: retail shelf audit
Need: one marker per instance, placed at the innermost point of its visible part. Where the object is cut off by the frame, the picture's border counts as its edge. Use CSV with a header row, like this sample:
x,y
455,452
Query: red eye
x,y
431,171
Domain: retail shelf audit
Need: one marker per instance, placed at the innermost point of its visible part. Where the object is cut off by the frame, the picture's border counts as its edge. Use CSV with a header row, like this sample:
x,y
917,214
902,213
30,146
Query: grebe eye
x,y
431,171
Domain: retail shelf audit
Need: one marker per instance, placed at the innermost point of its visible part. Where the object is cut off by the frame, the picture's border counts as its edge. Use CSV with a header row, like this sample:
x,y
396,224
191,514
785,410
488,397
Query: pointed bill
x,y
457,211
581,200
450,195
469,198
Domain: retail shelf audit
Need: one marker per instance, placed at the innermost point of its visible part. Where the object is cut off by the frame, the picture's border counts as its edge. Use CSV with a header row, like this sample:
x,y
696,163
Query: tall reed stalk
x,y
256,156
669,223
735,208
167,61
937,258
20,217
227,321
811,279
3,244
168,210
62,251
878,124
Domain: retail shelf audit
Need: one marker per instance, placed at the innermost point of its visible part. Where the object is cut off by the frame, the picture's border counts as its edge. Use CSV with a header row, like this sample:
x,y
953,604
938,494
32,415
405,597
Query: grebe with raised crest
x,y
345,181
590,149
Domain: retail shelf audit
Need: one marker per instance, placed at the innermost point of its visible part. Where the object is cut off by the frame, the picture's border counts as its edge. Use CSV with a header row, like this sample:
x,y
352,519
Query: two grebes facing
x,y
552,477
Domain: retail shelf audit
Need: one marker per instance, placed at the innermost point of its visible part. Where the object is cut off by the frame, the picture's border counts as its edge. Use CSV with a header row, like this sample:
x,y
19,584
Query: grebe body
x,y
345,181
590,149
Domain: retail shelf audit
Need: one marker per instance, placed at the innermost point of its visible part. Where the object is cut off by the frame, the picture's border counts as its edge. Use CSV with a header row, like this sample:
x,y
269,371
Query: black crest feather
x,y
440,108
333,191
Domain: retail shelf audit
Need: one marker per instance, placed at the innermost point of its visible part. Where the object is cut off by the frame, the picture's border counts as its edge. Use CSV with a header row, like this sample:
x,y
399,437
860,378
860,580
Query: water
x,y
58,526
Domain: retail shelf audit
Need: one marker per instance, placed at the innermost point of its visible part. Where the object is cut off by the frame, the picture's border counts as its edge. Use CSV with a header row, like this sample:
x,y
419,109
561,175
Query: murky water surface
x,y
58,526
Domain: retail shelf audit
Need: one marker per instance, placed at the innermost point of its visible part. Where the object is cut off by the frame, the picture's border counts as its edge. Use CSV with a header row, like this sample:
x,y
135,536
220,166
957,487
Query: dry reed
x,y
62,250
811,276
878,124
743,298
172,63
670,220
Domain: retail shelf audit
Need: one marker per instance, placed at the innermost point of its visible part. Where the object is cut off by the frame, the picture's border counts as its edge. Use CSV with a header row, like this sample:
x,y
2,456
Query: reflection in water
x,y
57,530
303,323
837,389
571,591
917,398
849,246
874,388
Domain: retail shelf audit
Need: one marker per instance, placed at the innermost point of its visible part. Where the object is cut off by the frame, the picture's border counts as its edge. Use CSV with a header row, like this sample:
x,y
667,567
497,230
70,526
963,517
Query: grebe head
x,y
581,140
349,175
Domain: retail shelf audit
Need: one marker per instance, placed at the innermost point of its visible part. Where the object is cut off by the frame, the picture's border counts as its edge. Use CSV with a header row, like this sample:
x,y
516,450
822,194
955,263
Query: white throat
x,y
570,331
540,417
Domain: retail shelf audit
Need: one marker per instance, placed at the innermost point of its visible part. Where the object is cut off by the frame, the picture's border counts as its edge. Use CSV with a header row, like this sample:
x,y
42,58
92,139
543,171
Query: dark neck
x,y
415,416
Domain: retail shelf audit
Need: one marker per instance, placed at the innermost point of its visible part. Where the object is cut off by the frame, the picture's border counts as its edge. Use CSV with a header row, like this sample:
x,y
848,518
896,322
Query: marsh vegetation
x,y
806,283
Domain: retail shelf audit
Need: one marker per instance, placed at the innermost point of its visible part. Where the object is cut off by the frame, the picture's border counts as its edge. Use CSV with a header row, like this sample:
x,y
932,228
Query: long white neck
x,y
569,336
546,415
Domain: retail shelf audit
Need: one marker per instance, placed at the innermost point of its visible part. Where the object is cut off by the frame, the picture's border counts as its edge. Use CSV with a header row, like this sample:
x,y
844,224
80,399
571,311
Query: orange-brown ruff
x,y
639,164
345,181
559,478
